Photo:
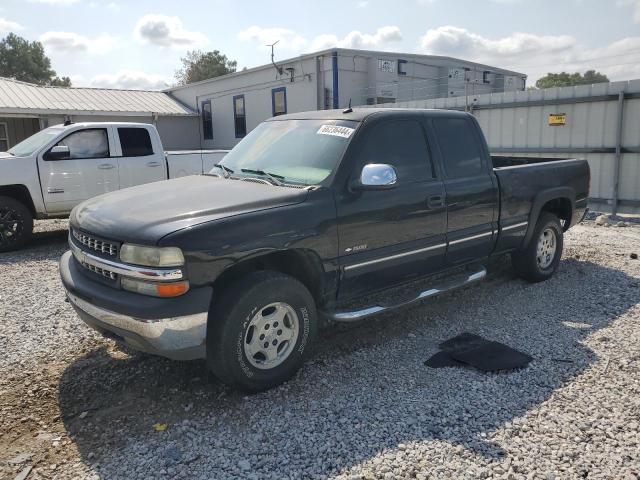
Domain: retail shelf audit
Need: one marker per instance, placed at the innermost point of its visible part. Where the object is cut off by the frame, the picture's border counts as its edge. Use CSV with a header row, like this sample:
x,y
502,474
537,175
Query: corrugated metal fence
x,y
601,124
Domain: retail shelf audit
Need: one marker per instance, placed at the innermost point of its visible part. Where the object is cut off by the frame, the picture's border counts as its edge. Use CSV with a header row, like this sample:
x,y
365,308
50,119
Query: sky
x,y
139,43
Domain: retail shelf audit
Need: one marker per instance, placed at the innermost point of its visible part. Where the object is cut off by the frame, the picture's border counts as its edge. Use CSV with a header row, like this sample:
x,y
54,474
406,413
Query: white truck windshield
x,y
29,145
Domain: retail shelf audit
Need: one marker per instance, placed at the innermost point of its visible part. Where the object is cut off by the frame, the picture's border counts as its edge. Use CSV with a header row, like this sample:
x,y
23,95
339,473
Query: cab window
x,y
90,143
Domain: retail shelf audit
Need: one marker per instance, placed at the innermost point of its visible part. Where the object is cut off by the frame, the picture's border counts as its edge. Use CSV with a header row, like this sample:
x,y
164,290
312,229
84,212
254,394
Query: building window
x,y
485,77
207,120
239,116
401,64
279,101
135,142
4,137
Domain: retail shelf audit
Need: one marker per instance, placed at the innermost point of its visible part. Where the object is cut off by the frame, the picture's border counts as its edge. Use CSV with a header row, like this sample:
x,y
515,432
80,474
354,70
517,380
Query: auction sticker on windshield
x,y
335,130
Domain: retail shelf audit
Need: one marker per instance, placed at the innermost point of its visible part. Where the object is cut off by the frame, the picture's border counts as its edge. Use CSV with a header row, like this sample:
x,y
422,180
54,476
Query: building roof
x,y
26,98
356,52
360,114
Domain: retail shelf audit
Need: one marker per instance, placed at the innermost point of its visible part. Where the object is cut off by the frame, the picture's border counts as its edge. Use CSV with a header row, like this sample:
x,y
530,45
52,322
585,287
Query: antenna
x,y
278,69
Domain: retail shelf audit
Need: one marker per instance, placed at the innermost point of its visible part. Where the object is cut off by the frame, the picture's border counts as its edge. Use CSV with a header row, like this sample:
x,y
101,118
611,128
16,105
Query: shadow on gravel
x,y
363,391
44,245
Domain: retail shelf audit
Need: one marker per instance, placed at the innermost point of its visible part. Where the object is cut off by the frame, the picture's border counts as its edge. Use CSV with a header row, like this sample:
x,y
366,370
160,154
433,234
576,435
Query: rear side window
x,y
135,142
90,143
400,143
459,146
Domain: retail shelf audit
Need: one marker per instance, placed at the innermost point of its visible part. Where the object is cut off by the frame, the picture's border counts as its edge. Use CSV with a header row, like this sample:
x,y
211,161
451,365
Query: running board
x,y
446,286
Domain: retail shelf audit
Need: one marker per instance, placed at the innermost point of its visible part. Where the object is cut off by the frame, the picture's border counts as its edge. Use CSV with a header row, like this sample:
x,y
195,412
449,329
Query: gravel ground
x,y
74,405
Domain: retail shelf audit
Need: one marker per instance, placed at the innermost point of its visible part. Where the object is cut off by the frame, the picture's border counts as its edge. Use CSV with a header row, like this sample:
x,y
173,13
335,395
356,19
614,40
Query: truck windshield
x,y
29,145
294,151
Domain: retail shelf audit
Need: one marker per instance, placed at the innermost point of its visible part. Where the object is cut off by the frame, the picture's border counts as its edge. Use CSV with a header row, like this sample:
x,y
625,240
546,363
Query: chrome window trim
x,y
515,226
393,257
131,271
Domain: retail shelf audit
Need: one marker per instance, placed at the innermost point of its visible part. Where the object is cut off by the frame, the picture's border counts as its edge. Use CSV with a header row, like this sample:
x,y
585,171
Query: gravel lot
x,y
73,405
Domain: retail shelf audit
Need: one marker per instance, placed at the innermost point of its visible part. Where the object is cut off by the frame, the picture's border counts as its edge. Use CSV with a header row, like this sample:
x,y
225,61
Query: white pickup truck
x,y
49,173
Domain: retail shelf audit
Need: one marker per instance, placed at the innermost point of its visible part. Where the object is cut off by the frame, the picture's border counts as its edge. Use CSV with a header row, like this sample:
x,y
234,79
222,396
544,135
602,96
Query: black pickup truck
x,y
304,222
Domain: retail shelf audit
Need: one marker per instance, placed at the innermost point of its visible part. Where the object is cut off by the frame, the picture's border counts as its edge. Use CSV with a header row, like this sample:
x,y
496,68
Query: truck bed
x,y
521,179
502,161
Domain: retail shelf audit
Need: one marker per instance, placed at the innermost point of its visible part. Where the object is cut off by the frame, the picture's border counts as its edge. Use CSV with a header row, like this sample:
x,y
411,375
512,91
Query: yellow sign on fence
x,y
556,119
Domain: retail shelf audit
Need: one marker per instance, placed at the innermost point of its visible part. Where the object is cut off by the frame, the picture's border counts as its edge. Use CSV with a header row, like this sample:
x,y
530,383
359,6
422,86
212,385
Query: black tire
x,y
16,224
526,262
230,319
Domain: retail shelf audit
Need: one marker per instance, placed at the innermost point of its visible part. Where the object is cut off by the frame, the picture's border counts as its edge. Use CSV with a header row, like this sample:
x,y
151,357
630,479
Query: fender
x,y
540,200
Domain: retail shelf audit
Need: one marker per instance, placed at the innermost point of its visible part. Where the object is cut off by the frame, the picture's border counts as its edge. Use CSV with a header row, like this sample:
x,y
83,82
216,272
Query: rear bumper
x,y
171,327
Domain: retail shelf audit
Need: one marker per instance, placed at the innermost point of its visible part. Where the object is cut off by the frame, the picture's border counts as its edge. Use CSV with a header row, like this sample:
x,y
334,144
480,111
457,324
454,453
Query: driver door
x,y
87,171
390,236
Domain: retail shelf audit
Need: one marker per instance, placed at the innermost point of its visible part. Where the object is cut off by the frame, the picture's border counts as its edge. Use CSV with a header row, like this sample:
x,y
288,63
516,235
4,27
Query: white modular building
x,y
231,105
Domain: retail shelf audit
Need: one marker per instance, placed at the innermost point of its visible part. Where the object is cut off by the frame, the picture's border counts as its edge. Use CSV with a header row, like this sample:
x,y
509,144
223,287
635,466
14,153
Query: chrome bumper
x,y
178,338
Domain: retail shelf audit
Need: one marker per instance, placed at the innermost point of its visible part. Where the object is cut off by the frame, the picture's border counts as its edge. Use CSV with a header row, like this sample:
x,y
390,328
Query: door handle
x,y
106,166
435,201
153,164
55,190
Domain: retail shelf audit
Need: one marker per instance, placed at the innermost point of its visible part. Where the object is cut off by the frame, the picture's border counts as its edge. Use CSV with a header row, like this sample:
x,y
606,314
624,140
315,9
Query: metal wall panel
x,y
517,123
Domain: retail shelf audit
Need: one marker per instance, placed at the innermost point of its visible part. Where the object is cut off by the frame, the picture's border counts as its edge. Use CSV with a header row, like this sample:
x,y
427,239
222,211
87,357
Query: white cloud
x,y
356,39
362,4
167,31
636,8
130,79
69,42
290,40
533,54
287,39
460,42
55,2
7,26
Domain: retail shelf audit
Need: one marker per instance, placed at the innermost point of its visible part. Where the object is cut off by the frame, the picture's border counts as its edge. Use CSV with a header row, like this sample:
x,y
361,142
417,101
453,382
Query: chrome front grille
x,y
100,246
100,271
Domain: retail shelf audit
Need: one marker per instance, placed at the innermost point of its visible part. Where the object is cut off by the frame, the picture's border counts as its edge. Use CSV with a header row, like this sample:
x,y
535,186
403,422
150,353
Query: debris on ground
x,y
472,350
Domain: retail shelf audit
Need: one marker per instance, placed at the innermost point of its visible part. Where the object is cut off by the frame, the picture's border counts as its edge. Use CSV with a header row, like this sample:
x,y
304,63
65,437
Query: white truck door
x,y
87,171
140,156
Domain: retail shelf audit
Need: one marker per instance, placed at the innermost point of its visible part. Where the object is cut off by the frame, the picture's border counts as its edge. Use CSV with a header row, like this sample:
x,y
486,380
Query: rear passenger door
x,y
139,160
471,191
391,236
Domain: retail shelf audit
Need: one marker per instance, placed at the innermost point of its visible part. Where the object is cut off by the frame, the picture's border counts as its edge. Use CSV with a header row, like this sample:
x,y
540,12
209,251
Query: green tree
x,y
26,61
60,82
564,79
199,65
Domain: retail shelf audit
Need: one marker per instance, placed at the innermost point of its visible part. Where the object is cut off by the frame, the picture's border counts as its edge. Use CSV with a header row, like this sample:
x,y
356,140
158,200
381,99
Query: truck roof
x,y
360,114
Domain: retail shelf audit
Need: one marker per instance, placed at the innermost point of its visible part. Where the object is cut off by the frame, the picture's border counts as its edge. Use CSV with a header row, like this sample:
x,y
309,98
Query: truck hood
x,y
146,213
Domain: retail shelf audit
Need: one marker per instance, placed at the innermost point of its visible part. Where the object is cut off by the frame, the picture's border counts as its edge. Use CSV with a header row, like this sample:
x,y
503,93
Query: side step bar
x,y
446,286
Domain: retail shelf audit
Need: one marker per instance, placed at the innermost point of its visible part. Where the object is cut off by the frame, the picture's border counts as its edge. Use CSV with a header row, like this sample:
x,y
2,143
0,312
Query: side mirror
x,y
376,176
59,152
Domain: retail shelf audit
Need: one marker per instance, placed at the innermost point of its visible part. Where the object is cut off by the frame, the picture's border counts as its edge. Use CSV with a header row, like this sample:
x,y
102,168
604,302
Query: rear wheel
x,y
260,329
16,224
540,258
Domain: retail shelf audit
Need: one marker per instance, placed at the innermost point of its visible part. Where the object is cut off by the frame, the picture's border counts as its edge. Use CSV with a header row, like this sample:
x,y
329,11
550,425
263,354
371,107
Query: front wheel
x,y
259,331
16,224
540,258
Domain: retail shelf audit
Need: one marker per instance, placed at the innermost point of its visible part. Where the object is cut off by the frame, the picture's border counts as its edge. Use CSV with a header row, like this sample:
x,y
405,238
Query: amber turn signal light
x,y
172,289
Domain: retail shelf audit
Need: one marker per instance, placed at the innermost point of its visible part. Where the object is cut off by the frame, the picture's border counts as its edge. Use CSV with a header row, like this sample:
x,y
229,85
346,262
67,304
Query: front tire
x,y
260,330
16,224
540,258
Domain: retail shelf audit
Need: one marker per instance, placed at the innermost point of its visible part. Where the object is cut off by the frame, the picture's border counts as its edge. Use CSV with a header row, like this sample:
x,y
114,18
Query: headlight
x,y
173,289
151,256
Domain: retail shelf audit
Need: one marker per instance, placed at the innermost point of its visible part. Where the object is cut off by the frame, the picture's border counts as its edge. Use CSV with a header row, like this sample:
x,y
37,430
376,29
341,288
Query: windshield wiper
x,y
275,179
227,172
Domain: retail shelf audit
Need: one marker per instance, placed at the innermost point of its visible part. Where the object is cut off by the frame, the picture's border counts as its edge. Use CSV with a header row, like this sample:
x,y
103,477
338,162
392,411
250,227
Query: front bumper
x,y
171,327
